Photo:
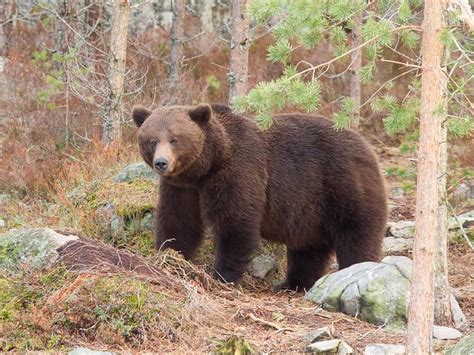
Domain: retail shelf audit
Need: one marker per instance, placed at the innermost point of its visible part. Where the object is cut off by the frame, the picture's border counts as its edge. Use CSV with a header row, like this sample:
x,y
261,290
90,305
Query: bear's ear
x,y
201,113
140,114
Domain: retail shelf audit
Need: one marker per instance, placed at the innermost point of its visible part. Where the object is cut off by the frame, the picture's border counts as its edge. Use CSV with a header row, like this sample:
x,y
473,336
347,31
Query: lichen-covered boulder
x,y
464,347
375,292
135,171
31,248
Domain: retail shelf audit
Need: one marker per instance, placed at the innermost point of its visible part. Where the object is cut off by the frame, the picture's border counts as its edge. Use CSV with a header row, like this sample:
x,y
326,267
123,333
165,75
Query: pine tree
x,y
420,315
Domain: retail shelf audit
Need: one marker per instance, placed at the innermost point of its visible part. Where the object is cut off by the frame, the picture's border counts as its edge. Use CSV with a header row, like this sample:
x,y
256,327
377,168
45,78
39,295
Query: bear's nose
x,y
161,164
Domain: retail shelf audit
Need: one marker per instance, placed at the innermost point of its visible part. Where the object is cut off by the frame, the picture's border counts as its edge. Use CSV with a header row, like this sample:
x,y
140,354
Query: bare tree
x,y
239,50
356,60
177,48
420,317
113,112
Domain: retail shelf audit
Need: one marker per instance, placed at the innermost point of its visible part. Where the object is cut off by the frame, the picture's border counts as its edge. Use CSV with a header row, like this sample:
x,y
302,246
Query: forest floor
x,y
185,310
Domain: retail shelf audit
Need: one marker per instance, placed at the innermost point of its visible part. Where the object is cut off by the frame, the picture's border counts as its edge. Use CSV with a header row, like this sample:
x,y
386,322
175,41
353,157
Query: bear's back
x,y
317,173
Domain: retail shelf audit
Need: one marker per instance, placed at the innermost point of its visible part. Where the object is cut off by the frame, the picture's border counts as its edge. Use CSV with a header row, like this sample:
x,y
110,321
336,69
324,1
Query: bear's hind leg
x,y
305,267
353,247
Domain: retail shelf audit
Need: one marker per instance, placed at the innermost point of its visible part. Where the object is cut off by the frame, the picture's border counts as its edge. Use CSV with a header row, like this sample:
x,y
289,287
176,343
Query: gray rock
x,y
146,223
464,347
402,264
86,351
384,349
467,217
396,192
261,265
5,198
32,248
344,348
445,333
136,171
464,192
463,219
318,334
335,346
375,292
402,229
460,320
108,216
392,245
3,224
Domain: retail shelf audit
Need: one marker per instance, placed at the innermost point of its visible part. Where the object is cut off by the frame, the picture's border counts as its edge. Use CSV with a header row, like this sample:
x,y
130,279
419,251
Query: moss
x,y
233,345
392,312
130,199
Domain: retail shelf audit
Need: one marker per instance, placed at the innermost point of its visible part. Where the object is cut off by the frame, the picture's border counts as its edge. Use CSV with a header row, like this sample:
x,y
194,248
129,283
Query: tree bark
x,y
420,317
442,305
177,50
60,28
356,60
7,9
239,50
113,112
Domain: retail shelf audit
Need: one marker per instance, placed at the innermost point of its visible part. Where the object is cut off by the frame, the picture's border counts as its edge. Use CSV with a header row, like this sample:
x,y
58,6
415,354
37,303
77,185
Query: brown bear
x,y
300,183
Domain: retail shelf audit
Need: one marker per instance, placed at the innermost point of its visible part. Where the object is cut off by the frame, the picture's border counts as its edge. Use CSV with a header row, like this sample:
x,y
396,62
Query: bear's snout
x,y
161,164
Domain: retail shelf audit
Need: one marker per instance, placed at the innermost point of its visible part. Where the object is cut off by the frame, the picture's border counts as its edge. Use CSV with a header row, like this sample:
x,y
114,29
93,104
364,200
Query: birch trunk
x,y
239,50
420,317
356,60
177,50
113,112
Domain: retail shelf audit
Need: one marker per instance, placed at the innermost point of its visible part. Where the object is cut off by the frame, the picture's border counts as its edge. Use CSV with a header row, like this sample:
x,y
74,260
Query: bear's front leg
x,y
235,214
178,223
235,246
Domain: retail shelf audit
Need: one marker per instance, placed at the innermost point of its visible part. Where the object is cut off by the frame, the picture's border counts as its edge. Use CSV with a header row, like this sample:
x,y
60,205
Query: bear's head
x,y
172,139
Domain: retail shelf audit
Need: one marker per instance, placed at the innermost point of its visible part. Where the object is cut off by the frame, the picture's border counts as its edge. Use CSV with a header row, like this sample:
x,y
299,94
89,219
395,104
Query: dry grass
x,y
130,311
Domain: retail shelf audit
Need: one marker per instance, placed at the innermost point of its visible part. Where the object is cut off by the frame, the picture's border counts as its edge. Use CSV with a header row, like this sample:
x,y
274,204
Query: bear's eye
x,y
173,141
153,143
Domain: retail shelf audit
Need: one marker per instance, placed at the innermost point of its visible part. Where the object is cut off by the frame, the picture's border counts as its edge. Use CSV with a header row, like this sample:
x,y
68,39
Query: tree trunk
x,y
60,28
356,60
420,316
7,9
442,306
177,49
239,50
113,112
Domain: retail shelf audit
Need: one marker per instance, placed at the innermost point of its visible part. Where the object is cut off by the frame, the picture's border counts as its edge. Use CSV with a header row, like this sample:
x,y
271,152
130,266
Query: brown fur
x,y
299,183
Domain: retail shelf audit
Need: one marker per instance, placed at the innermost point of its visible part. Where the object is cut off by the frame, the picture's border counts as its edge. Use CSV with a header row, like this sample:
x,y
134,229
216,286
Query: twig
x,y
417,28
270,324
401,63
